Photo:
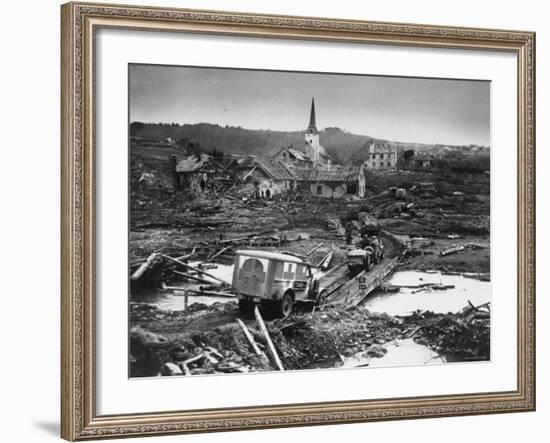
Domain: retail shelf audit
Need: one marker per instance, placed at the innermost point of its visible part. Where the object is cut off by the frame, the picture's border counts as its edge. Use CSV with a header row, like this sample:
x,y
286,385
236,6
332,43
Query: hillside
x,y
343,146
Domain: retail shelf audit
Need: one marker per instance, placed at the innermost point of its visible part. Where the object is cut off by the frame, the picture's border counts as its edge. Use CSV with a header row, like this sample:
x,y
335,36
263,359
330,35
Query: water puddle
x,y
399,353
412,296
175,300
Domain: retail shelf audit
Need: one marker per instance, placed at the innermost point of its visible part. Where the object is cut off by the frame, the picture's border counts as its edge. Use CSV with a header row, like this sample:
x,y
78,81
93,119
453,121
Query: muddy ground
x,y
305,340
162,220
455,212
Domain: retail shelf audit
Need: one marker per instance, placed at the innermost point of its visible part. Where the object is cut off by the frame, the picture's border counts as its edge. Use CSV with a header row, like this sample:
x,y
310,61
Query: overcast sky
x,y
394,108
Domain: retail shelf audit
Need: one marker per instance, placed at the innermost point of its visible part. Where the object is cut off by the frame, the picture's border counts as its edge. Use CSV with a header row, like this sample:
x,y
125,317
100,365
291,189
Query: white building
x,y
381,156
313,148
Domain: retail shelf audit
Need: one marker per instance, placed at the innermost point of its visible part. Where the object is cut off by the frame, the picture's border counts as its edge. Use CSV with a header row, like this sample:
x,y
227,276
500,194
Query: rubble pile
x,y
220,349
462,336
214,342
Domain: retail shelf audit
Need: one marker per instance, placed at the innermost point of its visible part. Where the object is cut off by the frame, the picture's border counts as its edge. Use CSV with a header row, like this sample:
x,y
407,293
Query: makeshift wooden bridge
x,y
356,289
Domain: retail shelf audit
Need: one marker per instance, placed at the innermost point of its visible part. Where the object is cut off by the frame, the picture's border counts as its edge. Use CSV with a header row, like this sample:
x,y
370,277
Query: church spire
x,y
312,124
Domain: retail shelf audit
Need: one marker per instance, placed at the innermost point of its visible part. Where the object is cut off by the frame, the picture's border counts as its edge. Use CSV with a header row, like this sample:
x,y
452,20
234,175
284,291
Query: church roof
x,y
312,121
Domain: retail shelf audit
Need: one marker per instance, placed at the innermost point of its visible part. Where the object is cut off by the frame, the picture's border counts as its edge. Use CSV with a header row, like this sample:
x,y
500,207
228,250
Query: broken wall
x,y
328,190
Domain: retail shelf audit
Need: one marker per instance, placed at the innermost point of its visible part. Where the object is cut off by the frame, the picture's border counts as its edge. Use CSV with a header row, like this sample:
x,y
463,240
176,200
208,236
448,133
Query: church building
x,y
313,149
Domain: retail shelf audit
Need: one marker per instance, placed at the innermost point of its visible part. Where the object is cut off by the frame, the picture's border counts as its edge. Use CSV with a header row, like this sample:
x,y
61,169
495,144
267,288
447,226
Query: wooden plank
x,y
199,293
248,335
326,262
314,249
150,261
452,250
188,256
270,346
192,277
320,264
199,271
217,254
359,287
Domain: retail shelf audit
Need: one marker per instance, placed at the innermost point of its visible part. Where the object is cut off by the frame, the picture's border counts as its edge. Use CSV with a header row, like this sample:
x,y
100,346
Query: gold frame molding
x,y
79,22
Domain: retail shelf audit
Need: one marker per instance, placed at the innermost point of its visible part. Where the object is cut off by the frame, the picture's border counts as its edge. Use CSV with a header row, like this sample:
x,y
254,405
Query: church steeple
x,y
312,147
312,128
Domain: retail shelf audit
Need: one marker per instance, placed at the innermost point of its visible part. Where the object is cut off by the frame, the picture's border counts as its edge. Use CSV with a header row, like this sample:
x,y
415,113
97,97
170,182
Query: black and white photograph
x,y
285,220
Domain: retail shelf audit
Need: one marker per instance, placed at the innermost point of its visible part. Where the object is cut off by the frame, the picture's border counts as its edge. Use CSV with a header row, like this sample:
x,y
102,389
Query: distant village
x,y
287,169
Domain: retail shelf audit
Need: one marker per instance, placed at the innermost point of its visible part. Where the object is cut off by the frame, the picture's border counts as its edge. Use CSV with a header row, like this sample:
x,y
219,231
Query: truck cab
x,y
274,279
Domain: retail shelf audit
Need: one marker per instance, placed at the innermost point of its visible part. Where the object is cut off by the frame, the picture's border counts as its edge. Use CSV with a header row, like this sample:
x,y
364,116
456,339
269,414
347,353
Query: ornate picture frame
x,y
80,22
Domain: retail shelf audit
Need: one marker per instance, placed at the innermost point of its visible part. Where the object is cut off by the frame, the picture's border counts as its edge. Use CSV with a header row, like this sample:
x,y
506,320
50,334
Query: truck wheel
x,y
284,307
246,307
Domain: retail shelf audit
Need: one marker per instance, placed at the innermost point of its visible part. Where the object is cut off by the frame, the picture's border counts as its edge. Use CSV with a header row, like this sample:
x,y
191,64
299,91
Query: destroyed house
x,y
422,160
270,177
195,172
292,157
334,182
381,156
236,165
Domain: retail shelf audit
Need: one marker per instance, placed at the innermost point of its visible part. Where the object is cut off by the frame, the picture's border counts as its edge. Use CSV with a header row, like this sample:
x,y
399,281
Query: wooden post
x,y
249,337
270,346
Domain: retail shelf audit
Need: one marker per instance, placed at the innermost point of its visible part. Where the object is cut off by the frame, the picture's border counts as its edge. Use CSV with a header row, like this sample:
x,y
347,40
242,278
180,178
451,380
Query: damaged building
x,y
422,160
292,157
269,176
195,172
286,170
381,156
334,183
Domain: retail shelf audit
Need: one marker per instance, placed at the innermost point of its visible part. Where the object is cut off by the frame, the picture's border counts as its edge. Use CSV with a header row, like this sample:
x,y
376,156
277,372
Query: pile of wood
x,y
464,335
208,361
211,361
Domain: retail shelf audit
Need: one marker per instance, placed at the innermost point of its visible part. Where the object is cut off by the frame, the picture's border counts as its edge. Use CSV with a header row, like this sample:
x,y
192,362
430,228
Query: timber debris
x,y
302,340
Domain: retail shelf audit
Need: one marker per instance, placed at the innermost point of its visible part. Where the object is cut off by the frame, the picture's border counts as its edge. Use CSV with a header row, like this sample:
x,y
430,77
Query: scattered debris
x,y
460,248
299,341
272,351
197,270
440,214
325,261
171,369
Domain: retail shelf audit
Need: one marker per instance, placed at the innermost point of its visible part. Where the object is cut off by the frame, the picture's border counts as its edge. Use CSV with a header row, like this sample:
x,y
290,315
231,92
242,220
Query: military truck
x,y
369,254
369,250
274,279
